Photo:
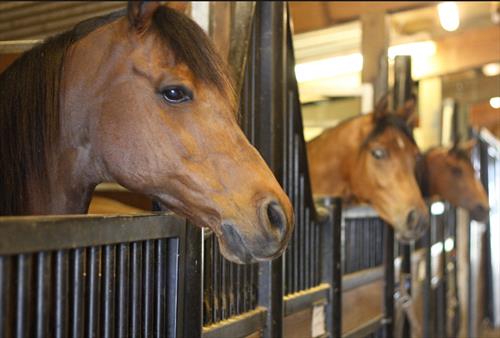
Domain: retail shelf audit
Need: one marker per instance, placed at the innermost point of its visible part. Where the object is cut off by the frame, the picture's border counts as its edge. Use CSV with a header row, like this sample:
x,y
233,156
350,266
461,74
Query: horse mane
x,y
29,88
386,121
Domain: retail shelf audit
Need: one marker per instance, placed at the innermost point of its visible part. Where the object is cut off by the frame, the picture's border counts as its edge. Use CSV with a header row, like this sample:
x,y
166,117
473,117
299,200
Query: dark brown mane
x,y
389,120
29,114
193,48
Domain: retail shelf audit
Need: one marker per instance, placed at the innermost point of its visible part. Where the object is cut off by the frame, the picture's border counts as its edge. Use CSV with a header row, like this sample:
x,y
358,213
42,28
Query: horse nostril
x,y
277,219
480,213
412,219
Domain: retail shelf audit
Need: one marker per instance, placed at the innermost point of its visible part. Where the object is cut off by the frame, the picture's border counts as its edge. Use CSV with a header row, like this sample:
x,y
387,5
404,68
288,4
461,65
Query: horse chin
x,y
235,248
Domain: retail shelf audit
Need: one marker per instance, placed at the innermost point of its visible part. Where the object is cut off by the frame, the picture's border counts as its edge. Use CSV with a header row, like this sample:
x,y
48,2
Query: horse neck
x,y
338,146
74,169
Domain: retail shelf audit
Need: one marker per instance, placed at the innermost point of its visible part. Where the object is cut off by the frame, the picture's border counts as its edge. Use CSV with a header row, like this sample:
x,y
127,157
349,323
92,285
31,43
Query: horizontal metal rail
x,y
306,299
360,278
365,329
34,233
239,326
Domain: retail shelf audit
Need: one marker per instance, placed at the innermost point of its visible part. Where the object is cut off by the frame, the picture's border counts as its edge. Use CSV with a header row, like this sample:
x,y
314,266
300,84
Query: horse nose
x,y
412,219
480,212
276,220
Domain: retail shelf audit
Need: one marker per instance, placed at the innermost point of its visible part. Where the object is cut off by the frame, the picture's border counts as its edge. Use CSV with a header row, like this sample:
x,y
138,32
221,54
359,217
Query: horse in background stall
x,y
371,159
138,97
447,174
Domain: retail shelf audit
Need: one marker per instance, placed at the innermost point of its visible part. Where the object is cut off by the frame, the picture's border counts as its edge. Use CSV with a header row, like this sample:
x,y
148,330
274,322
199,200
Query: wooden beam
x,y
461,51
313,15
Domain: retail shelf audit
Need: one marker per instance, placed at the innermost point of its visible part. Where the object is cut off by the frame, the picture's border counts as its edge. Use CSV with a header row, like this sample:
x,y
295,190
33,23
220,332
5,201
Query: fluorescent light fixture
x,y
495,102
449,244
415,49
449,16
330,67
437,208
436,249
491,69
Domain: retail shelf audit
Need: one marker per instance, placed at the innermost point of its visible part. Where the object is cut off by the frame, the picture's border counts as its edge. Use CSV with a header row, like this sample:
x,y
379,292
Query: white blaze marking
x,y
400,143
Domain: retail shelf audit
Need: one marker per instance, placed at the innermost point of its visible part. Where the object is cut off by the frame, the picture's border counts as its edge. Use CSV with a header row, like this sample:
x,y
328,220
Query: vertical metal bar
x,y
426,329
108,292
3,292
147,289
92,292
61,294
388,320
42,285
191,279
122,303
76,295
136,276
160,296
331,264
22,281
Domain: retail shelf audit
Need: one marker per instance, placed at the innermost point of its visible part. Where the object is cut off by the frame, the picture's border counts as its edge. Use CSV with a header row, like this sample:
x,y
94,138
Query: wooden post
x,y
374,43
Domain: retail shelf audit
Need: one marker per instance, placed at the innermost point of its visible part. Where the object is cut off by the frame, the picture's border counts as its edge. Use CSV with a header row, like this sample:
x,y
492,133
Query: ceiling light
x,y
491,69
495,102
330,67
415,49
449,16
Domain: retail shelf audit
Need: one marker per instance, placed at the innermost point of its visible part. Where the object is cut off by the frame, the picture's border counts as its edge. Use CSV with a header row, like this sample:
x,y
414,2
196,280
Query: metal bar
x,y
108,292
192,281
22,289
42,301
300,301
76,296
241,326
61,294
363,277
136,279
122,290
365,328
388,319
160,294
92,292
47,233
427,319
147,289
3,292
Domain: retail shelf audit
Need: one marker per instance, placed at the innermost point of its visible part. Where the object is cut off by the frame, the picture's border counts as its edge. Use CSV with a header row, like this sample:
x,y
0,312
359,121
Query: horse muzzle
x,y
263,242
416,225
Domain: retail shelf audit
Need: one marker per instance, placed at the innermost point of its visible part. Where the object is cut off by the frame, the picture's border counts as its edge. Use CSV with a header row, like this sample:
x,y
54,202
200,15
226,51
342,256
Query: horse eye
x,y
456,171
176,94
379,153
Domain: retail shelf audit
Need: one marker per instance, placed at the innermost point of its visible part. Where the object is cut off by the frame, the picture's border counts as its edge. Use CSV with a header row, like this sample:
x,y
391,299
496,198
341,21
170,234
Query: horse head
x,y
451,176
145,100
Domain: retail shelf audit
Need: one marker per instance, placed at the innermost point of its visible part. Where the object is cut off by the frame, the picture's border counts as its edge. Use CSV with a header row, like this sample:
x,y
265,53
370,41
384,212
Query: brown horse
x,y
139,97
371,159
447,173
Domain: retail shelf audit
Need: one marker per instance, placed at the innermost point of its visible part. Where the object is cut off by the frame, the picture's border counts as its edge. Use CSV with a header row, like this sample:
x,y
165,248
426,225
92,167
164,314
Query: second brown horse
x,y
371,159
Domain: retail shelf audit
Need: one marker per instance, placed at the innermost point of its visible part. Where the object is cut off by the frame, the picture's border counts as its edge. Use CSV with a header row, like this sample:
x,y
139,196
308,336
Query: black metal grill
x,y
363,243
110,290
228,289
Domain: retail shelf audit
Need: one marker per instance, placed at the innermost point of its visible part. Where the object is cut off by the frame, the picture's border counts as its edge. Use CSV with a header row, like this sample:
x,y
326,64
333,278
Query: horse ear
x,y
140,13
407,111
382,107
468,145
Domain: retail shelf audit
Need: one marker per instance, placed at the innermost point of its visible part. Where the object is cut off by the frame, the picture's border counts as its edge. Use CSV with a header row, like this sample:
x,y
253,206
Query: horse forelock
x,y
387,121
192,47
